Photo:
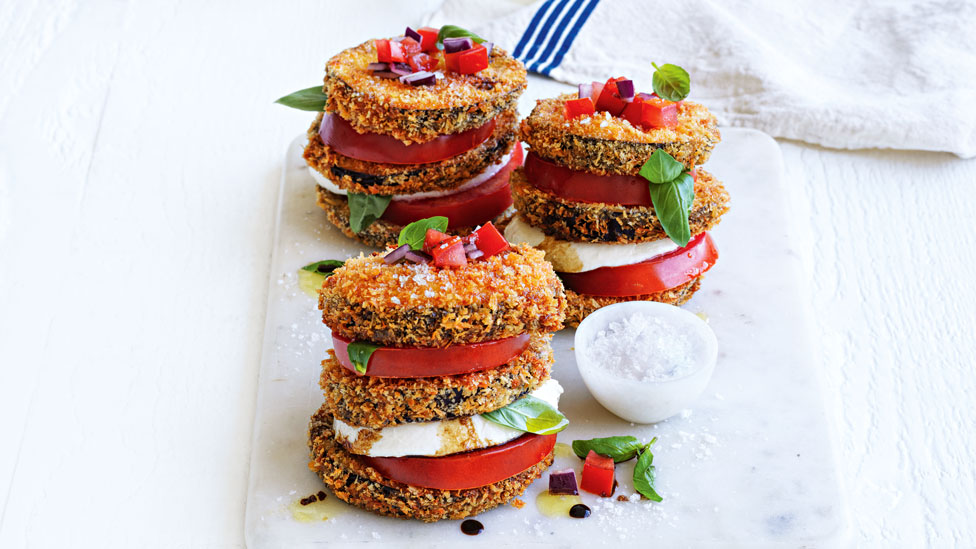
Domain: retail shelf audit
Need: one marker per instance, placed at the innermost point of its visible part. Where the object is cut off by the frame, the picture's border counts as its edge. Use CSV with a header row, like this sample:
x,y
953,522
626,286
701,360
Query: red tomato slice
x,y
467,469
627,190
647,277
464,209
337,133
434,361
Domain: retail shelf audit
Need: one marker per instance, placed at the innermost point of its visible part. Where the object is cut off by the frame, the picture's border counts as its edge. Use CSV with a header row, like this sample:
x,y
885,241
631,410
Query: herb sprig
x,y
359,353
671,82
454,31
364,209
415,233
621,449
531,415
309,99
672,194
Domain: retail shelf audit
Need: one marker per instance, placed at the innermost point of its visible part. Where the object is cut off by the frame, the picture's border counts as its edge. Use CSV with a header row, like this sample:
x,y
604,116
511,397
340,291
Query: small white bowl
x,y
638,400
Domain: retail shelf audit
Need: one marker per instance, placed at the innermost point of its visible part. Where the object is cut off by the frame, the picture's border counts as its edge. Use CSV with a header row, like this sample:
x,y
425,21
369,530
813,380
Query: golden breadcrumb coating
x,y
416,114
358,484
579,306
605,144
378,402
381,233
423,305
594,222
361,176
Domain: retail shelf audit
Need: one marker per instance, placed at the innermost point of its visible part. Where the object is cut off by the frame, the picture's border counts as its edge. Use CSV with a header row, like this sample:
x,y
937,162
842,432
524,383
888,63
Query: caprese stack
x,y
612,193
438,401
415,126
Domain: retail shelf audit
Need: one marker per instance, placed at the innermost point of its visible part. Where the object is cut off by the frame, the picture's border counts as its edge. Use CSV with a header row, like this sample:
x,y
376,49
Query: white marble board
x,y
750,464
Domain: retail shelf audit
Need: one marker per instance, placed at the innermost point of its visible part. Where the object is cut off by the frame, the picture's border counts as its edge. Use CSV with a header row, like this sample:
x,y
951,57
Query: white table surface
x,y
140,154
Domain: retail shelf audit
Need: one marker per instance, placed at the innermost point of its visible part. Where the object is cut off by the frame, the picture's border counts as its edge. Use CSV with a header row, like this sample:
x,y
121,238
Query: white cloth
x,y
838,73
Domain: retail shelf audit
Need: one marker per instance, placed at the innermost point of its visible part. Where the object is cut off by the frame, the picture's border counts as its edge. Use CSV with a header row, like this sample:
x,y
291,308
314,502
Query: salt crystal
x,y
395,299
665,350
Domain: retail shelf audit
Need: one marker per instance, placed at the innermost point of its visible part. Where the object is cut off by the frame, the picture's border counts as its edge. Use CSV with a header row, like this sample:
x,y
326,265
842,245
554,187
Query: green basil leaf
x,y
325,268
309,99
644,474
661,167
671,82
364,209
415,233
619,448
529,414
359,353
672,204
454,31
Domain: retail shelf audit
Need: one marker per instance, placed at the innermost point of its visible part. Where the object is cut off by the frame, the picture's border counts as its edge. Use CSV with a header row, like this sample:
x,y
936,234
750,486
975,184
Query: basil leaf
x,y
671,82
619,448
325,268
672,204
309,99
661,167
364,209
529,414
415,233
454,31
359,353
644,473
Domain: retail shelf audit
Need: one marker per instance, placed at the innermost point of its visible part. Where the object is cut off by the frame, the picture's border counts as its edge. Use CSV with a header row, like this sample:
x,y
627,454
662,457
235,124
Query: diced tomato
x,y
466,470
410,46
578,107
658,113
428,38
451,60
609,99
388,51
450,253
597,475
422,62
647,277
490,241
633,111
473,60
452,360
433,238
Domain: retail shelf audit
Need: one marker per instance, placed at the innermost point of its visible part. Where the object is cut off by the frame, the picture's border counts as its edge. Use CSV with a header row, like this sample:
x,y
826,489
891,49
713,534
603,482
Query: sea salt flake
x,y
644,348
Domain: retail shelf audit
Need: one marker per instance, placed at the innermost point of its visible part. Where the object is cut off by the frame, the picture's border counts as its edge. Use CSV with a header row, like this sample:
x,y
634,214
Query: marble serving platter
x,y
749,464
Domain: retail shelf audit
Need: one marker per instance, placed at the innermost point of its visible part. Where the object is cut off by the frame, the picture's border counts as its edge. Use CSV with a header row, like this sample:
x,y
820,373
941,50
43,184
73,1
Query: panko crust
x,y
358,484
382,234
416,114
605,144
593,222
422,305
376,402
579,306
365,177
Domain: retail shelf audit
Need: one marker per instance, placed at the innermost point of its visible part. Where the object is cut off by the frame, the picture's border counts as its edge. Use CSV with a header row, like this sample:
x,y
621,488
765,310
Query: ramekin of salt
x,y
645,361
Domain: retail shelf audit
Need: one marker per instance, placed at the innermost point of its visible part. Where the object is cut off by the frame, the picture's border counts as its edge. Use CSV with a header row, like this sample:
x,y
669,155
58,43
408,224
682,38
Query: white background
x,y
140,155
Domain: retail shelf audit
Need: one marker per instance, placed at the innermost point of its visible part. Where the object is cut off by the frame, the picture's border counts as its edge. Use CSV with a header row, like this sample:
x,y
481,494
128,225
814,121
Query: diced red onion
x,y
398,39
417,257
454,45
386,74
625,88
402,69
419,78
378,66
396,255
470,247
488,46
585,90
563,482
413,34
475,254
646,96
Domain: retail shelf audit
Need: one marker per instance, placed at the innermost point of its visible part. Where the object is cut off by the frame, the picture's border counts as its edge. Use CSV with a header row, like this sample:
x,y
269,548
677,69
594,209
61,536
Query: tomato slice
x,y
467,469
627,190
647,277
464,209
434,361
337,133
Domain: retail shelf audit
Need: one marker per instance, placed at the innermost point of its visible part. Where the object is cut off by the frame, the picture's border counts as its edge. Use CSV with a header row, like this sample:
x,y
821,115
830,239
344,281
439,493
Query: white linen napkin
x,y
839,73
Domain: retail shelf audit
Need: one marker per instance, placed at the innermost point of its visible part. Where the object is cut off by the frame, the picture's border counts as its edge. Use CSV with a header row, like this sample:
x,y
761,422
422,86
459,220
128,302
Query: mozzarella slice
x,y
578,257
485,175
436,438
